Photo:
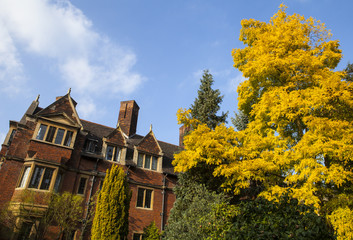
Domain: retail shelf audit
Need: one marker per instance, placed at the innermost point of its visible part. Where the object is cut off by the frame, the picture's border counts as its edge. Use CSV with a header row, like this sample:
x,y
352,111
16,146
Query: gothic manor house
x,y
52,149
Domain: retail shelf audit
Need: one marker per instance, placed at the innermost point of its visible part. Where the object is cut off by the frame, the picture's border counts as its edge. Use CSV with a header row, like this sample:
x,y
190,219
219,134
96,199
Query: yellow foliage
x,y
342,219
288,51
300,131
184,117
300,109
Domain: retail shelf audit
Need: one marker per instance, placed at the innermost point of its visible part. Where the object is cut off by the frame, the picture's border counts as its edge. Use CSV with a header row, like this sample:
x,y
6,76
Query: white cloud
x,y
86,108
233,83
86,60
197,75
54,29
11,73
78,73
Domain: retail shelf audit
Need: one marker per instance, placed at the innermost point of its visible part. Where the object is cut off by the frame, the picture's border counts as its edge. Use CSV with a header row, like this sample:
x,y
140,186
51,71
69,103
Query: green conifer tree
x,y
240,120
207,103
151,232
194,214
112,210
349,72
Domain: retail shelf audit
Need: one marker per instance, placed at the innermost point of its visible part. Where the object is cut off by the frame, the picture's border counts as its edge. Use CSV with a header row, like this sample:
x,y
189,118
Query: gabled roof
x,y
117,136
168,149
64,105
60,117
149,144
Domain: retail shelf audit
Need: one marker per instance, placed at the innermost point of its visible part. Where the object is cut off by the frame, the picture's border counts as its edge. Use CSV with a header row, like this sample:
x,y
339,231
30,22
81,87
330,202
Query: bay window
x,y
39,177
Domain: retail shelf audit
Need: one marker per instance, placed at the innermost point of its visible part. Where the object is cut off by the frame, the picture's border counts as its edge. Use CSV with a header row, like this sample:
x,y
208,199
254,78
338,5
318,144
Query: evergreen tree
x,y
196,200
194,214
284,219
204,111
240,121
112,210
206,105
151,232
349,73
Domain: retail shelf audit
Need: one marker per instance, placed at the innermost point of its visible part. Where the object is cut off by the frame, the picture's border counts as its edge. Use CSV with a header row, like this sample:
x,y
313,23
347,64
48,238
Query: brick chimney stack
x,y
182,132
128,114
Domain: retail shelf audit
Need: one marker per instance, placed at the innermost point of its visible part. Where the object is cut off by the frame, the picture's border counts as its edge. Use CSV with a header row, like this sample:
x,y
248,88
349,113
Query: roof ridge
x,y
96,123
168,143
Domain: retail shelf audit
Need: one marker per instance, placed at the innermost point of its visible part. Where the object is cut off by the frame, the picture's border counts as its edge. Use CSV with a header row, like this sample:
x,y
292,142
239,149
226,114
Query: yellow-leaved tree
x,y
299,138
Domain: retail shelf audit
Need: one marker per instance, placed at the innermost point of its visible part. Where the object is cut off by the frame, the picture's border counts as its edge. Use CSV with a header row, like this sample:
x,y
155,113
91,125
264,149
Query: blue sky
x,y
152,51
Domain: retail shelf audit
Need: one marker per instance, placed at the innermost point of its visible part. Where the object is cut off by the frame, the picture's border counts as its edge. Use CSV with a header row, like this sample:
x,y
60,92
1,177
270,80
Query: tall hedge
x,y
112,210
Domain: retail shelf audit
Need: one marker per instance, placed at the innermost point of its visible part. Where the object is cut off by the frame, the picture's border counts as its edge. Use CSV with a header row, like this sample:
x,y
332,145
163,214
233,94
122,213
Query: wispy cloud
x,y
197,75
11,72
234,82
86,108
86,60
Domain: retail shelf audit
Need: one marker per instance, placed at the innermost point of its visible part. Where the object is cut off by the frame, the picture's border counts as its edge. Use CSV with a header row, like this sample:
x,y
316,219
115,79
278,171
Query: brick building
x,y
52,149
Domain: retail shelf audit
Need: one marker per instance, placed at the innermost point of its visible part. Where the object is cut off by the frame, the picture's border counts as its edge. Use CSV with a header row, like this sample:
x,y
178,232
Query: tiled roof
x,y
96,129
167,148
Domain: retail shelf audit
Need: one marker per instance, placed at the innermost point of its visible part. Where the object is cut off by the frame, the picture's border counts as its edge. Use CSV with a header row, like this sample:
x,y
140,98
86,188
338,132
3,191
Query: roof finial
x,y
151,128
69,91
37,99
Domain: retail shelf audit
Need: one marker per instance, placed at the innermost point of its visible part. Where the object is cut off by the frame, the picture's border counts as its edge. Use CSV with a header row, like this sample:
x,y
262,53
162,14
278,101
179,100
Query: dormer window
x,y
147,161
54,134
113,153
91,146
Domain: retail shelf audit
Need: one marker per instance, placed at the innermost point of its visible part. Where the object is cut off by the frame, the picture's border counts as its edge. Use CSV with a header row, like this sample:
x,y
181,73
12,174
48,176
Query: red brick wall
x,y
50,152
139,217
19,145
9,174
